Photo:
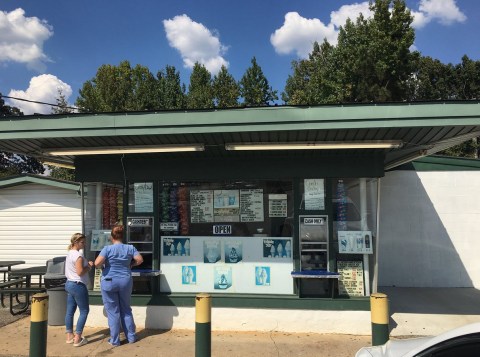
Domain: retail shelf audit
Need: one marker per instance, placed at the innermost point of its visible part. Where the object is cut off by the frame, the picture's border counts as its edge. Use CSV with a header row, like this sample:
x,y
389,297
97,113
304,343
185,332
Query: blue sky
x,y
48,44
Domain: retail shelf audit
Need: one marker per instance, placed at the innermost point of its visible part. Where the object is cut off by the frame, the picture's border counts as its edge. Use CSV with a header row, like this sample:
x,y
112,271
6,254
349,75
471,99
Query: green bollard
x,y
380,318
38,325
203,325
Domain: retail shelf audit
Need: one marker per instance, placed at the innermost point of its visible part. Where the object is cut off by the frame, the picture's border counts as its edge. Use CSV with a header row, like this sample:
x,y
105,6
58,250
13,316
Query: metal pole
x,y
380,318
38,325
203,325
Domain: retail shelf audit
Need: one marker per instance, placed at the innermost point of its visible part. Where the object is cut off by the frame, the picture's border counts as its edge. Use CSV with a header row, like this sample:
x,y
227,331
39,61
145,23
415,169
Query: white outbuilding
x,y
38,215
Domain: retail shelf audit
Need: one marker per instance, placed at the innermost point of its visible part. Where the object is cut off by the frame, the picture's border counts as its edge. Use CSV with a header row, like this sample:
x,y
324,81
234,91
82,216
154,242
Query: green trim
x,y
38,339
242,120
41,180
446,163
248,301
203,339
380,334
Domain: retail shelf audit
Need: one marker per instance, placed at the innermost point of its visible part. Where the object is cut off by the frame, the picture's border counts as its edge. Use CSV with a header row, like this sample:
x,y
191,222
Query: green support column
x,y
38,325
203,325
380,318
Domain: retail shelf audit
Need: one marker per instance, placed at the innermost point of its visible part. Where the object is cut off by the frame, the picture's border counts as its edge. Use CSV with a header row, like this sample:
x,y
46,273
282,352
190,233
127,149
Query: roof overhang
x,y
416,129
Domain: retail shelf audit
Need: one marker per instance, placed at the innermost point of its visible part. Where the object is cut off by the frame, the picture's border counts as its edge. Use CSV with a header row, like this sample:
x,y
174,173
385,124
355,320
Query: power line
x,y
37,102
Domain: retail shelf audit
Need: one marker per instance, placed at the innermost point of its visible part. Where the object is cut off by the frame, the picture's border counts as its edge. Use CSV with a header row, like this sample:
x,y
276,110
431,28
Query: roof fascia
x,y
401,115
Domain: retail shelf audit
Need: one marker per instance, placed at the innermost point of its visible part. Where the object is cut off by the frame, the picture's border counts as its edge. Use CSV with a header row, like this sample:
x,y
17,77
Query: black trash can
x,y
55,280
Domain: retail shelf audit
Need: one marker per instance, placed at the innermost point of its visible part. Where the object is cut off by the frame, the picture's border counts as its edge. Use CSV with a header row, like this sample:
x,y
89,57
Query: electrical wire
x,y
37,102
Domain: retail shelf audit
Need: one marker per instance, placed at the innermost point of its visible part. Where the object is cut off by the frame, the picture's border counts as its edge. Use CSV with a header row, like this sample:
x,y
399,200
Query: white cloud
x,y
43,88
298,34
22,38
196,43
444,11
339,18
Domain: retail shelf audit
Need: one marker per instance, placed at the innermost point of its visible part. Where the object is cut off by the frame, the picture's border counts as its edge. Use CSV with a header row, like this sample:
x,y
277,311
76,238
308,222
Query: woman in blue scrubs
x,y
116,284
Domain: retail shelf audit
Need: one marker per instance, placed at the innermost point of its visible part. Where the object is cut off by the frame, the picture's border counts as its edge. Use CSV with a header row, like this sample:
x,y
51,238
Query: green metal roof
x,y
424,128
36,179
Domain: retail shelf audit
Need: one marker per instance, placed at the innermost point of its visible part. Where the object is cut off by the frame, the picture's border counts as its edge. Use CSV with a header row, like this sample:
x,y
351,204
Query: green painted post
x,y
203,325
380,318
38,325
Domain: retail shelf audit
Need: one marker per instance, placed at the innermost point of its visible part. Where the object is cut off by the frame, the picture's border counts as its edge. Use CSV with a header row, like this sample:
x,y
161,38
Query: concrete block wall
x,y
430,229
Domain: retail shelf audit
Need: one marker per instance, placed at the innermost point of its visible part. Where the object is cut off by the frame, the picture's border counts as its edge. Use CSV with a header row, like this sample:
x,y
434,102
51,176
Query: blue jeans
x,y
77,296
116,296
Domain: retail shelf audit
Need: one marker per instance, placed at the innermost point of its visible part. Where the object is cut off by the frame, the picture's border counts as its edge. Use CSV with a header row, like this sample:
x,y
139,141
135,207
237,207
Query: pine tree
x,y
254,87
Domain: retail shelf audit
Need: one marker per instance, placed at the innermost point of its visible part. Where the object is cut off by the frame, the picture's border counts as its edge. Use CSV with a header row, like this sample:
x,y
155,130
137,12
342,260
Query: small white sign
x,y
139,222
222,229
169,226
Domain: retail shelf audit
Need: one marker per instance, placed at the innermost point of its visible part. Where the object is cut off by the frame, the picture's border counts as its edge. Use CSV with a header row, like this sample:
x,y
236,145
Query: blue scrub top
x,y
118,259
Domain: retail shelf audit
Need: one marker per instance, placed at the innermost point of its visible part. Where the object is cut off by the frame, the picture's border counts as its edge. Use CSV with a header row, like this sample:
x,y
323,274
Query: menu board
x,y
277,205
251,205
351,278
201,206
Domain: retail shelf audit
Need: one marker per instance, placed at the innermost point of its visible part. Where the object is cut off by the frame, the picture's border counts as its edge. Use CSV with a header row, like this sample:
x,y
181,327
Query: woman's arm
x,y
80,268
137,260
99,261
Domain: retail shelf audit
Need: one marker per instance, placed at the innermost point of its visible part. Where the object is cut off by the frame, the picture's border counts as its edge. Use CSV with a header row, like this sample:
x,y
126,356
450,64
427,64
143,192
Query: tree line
x,y
372,61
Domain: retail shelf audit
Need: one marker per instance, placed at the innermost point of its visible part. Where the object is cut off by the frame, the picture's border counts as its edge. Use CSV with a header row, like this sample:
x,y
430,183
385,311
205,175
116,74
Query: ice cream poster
x,y
211,251
189,275
262,276
222,278
100,239
233,252
277,248
176,247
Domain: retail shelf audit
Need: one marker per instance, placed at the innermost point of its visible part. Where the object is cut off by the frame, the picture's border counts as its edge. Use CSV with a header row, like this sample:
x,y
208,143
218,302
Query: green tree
x,y
467,75
311,82
62,106
432,80
117,89
254,87
15,164
200,91
226,90
170,91
372,59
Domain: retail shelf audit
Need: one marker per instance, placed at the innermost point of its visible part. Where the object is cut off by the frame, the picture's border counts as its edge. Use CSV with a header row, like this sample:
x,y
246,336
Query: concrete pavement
x,y
413,312
15,341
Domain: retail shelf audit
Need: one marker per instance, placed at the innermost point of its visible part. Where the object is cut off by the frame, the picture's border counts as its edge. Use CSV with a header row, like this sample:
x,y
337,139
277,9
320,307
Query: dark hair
x,y
117,232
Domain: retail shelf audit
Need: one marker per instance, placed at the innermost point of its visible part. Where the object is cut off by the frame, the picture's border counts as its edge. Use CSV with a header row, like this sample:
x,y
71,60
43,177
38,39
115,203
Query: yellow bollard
x,y
380,318
38,325
203,325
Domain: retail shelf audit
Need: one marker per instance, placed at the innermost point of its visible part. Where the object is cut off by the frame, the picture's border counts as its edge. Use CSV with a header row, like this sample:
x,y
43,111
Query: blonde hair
x,y
76,237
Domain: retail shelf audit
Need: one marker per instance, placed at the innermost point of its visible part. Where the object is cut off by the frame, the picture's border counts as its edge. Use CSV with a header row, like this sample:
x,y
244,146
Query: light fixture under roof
x,y
59,164
316,145
109,150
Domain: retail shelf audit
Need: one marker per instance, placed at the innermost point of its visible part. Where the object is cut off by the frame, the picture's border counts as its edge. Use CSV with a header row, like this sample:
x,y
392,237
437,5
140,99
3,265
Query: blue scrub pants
x,y
116,295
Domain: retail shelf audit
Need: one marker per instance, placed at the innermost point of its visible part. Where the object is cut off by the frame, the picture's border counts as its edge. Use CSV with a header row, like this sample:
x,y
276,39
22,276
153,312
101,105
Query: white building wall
x,y
430,229
37,221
